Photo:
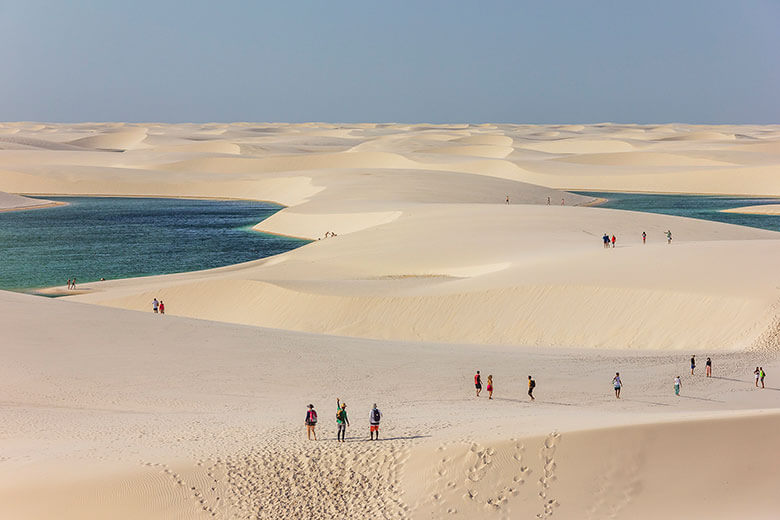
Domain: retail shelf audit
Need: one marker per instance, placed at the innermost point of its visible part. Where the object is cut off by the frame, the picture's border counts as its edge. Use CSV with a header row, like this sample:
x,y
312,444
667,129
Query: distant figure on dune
x,y
548,201
693,364
677,385
563,202
613,240
155,305
617,383
668,237
490,386
605,238
162,307
644,237
531,386
507,199
708,367
757,374
341,420
761,375
374,417
311,422
478,383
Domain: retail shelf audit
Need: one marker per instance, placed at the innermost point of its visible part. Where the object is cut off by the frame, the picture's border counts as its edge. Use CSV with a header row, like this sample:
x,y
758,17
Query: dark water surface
x,y
704,207
112,237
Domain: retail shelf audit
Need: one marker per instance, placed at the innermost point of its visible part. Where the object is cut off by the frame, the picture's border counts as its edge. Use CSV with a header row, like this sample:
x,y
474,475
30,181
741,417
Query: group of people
x,y
611,241
158,306
759,374
478,385
71,283
342,421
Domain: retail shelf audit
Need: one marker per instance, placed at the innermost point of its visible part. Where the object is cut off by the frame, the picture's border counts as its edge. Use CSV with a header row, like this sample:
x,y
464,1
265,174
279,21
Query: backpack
x,y
340,415
312,417
533,383
375,415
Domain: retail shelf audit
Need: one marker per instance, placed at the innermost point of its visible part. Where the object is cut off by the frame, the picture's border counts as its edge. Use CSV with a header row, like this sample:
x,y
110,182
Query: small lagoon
x,y
112,237
704,207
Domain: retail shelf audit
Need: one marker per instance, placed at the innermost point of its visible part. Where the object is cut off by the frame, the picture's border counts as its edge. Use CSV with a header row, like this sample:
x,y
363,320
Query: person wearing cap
x,y
341,420
311,422
373,420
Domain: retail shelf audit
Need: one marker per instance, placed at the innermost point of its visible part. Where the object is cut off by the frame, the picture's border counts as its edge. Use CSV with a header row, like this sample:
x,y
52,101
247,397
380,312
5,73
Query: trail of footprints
x,y
482,458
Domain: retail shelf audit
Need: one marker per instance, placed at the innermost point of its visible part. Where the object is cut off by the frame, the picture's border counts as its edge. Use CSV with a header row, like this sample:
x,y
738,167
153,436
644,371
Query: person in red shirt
x,y
613,240
478,383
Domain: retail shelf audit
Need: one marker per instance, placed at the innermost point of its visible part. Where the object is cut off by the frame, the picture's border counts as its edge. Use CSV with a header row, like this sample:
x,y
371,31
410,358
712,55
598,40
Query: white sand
x,y
762,209
109,412
11,202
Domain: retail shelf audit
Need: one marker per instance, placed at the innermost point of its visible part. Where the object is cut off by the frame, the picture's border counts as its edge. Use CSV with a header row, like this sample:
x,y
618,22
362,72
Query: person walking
x,y
618,384
342,421
531,386
708,367
373,420
311,422
693,364
155,305
478,383
613,240
162,307
756,373
668,236
761,375
677,385
73,283
490,386
605,238
644,237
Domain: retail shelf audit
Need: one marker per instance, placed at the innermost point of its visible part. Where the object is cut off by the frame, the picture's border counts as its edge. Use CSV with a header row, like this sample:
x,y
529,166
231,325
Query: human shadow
x,y
700,398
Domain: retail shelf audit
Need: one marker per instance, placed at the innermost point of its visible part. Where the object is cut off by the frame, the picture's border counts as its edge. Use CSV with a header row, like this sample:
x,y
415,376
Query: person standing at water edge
x,y
311,422
531,386
162,307
617,383
69,284
478,383
155,305
73,283
341,420
677,385
644,237
490,386
708,367
373,421
693,364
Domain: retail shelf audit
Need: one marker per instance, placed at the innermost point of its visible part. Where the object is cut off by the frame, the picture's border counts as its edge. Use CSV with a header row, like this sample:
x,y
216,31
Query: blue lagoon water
x,y
705,207
110,237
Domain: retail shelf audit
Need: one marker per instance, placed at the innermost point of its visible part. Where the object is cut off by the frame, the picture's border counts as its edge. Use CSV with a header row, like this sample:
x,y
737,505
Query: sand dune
x,y
111,411
764,209
9,201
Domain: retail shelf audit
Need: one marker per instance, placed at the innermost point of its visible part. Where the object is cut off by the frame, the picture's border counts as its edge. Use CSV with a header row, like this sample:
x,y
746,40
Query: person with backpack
x,y
531,386
373,420
644,237
311,422
341,420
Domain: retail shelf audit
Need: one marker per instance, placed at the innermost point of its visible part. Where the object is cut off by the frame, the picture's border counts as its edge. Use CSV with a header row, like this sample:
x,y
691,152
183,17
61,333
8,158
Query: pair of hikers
x,y
760,375
158,306
478,385
342,421
608,241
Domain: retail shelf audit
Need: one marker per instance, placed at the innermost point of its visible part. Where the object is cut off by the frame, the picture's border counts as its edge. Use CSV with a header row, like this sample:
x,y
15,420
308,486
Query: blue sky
x,y
406,61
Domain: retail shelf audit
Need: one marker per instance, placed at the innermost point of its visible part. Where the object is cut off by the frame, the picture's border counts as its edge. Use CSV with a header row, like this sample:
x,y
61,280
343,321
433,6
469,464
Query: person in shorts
x,y
311,422
341,420
478,383
618,384
374,417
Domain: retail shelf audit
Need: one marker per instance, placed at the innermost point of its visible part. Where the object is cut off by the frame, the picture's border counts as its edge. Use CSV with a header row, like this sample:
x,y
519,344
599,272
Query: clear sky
x,y
547,61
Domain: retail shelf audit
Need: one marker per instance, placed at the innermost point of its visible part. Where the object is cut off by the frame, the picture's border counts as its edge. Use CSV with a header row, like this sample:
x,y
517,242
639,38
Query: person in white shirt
x,y
677,385
374,417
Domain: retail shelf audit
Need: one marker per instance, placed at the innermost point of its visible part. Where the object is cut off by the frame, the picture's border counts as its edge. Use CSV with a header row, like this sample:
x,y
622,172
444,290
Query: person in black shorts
x,y
531,386
478,383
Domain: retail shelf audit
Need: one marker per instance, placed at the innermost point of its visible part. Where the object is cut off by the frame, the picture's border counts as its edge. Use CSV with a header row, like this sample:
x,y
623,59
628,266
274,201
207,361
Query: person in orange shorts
x,y
373,420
